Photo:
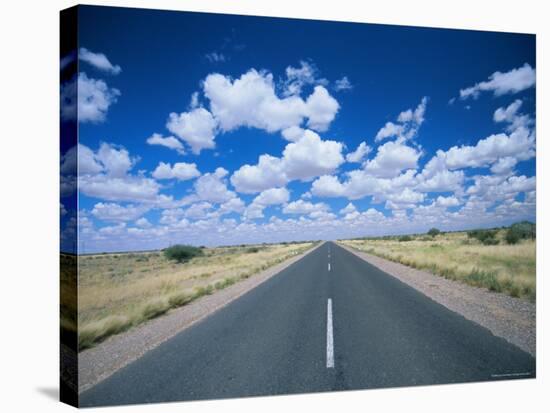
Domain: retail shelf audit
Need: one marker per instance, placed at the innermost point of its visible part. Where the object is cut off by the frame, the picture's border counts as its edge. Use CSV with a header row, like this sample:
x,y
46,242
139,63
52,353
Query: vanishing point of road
x,y
328,322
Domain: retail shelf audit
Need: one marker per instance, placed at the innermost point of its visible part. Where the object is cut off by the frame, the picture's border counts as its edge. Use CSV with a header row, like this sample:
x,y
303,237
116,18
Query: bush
x,y
252,250
512,237
519,231
485,236
433,232
182,253
490,241
404,238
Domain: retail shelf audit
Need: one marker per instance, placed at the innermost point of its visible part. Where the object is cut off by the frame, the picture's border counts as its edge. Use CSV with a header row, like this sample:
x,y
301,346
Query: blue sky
x,y
215,129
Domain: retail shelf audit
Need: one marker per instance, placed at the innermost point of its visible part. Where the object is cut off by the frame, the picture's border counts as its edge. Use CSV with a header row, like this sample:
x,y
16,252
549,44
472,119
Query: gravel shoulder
x,y
98,363
511,318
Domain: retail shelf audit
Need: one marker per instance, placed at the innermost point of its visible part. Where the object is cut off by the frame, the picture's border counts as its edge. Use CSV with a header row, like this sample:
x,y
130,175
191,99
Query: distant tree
x,y
182,253
404,238
512,237
519,231
434,232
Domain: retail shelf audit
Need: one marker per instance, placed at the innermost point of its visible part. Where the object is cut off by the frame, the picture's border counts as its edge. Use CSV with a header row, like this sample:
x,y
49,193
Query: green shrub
x,y
404,238
485,236
433,232
512,237
519,231
182,253
252,250
490,241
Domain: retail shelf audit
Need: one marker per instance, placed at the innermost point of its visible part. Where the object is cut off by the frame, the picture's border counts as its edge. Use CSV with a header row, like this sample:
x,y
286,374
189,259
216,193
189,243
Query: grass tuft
x,y
180,298
97,331
154,308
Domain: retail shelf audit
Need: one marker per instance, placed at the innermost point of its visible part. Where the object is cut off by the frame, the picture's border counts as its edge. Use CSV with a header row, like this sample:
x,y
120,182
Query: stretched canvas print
x,y
257,206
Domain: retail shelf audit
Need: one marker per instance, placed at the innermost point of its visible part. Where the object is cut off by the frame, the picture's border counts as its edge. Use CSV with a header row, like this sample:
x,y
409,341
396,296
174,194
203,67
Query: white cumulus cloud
x,y
99,61
304,207
392,158
273,196
502,83
304,160
311,156
197,128
519,144
105,174
298,77
116,212
94,99
511,115
181,171
212,187
408,123
252,101
359,154
169,142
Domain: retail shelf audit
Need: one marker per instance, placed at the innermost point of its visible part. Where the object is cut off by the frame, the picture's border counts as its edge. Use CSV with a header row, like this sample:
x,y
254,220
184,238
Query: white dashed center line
x,y
330,339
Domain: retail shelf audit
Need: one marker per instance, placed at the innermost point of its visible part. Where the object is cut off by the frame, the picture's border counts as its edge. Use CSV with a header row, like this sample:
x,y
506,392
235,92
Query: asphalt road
x,y
328,322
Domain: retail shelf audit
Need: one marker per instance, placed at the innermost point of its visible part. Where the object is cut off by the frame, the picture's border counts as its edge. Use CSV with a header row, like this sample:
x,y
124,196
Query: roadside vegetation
x,y
182,253
499,259
69,296
120,291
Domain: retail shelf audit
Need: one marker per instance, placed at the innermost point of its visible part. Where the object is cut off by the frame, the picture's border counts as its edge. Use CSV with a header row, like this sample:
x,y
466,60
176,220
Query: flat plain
x,y
506,268
119,291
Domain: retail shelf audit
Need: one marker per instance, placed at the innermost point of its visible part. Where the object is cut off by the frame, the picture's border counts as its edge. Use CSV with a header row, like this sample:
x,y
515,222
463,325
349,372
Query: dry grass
x,y
503,268
119,291
68,292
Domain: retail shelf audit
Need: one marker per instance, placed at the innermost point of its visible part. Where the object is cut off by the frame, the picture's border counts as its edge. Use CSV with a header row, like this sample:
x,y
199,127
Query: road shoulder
x,y
511,318
101,361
